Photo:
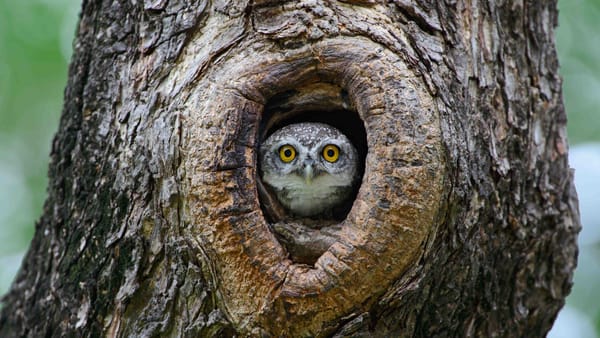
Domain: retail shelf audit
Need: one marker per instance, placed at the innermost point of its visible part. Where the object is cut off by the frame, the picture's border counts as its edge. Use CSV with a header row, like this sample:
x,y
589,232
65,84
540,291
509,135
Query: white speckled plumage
x,y
309,185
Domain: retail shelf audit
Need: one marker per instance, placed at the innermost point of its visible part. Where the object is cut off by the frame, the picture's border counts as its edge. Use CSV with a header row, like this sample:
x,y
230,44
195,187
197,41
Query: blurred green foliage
x,y
578,42
35,46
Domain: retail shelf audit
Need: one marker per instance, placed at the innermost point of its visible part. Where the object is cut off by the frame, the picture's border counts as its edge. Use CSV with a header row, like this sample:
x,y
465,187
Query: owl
x,y
311,167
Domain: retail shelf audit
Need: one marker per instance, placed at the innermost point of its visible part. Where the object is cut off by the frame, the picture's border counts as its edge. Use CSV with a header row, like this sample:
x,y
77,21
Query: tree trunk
x,y
157,222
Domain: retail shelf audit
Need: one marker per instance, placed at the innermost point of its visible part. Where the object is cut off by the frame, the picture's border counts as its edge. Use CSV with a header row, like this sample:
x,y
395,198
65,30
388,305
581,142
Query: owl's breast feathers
x,y
310,197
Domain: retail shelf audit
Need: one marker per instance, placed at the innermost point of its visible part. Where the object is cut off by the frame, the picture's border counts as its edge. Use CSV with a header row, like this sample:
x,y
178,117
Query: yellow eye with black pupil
x,y
287,153
331,153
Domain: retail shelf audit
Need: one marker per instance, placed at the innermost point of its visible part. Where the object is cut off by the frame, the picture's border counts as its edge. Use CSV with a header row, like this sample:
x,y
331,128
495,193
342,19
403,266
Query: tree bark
x,y
465,222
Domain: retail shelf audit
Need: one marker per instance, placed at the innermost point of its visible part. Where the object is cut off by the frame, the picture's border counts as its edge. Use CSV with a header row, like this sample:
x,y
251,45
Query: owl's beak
x,y
309,173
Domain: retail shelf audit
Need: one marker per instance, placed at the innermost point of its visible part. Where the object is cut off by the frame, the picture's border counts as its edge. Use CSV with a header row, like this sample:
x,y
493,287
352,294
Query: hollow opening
x,y
317,102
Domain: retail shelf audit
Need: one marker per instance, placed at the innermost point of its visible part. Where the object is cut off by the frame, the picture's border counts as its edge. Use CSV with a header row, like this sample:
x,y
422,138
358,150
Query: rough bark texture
x,y
465,223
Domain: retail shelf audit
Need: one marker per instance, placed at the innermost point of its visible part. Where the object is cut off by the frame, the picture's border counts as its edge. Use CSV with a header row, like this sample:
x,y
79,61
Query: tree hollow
x,y
385,230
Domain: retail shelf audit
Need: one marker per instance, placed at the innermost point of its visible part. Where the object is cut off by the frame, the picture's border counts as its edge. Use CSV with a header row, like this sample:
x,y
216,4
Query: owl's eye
x,y
287,153
331,153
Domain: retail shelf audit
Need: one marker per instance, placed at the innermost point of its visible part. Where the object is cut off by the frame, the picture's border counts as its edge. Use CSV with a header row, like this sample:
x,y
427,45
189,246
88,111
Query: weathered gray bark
x,y
465,223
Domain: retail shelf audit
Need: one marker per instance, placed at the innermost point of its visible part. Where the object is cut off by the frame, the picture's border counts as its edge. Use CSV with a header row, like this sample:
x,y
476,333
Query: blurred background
x,y
35,47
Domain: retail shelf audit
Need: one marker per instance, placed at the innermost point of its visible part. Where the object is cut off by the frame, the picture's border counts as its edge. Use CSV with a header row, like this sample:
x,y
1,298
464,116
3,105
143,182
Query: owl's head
x,y
311,166
308,150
